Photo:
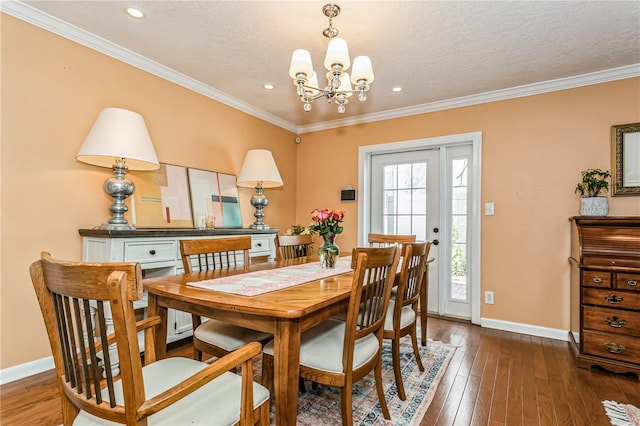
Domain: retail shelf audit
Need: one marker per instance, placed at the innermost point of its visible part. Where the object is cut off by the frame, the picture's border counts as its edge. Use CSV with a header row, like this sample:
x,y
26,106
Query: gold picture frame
x,y
625,158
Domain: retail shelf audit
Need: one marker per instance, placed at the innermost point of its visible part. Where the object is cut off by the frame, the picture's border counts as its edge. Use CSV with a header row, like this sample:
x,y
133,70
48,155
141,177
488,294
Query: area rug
x,y
622,414
321,406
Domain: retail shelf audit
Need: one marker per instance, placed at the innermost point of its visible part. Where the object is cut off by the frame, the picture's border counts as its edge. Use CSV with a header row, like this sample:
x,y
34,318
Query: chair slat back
x,y
215,253
75,299
374,273
385,240
294,246
414,259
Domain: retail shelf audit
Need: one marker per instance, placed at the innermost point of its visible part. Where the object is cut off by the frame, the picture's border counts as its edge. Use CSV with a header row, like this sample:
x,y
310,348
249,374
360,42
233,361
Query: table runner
x,y
259,282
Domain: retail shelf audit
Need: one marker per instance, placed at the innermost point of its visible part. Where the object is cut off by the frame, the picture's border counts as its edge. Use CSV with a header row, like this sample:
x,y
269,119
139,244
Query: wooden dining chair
x,y
339,353
293,246
161,392
385,240
213,336
402,312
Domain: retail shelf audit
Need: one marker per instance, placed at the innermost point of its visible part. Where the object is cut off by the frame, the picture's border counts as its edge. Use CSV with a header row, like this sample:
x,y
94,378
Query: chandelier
x,y
336,62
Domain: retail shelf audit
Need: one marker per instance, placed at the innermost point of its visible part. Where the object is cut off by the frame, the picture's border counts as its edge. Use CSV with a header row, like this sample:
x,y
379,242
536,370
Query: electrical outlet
x,y
488,297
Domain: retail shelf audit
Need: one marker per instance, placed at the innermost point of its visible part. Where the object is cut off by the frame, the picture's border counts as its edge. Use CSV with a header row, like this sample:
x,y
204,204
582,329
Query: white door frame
x,y
473,138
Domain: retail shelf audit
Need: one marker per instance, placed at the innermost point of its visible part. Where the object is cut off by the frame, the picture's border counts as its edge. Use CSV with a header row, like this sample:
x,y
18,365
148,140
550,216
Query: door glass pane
x,y
459,237
405,199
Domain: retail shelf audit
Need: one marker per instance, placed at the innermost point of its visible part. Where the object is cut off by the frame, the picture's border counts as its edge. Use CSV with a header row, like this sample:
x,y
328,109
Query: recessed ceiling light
x,y
397,89
268,86
134,12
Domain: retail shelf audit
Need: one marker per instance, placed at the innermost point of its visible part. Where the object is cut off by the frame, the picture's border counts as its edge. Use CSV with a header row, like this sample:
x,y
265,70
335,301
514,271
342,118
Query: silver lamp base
x,y
259,201
119,188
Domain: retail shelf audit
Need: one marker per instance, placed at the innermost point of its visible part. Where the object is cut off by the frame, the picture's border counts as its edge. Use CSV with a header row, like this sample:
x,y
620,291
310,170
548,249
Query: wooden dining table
x,y
285,313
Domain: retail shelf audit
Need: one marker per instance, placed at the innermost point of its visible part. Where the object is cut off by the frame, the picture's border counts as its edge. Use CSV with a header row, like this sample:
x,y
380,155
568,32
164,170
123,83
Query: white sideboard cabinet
x,y
158,252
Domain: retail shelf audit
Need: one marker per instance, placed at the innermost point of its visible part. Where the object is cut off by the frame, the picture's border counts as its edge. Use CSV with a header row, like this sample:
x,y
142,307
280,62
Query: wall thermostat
x,y
348,193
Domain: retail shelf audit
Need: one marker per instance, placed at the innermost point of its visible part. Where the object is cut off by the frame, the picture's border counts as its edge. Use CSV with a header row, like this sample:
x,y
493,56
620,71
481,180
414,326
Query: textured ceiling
x,y
436,50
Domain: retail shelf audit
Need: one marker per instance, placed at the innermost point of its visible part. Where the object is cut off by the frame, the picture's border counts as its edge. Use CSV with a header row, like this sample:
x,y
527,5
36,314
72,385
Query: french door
x,y
431,190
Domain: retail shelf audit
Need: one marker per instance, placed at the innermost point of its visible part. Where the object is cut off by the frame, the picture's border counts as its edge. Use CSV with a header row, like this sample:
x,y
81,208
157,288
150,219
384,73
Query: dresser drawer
x,y
260,246
150,251
611,298
610,320
626,281
612,346
600,279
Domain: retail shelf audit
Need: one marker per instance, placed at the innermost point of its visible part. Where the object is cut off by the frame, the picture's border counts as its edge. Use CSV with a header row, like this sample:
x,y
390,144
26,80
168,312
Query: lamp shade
x,y
300,64
259,166
119,133
337,53
362,70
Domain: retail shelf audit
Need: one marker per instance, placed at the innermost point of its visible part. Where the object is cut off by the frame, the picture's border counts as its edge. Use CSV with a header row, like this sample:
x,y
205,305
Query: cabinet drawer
x,y
150,251
612,346
611,298
600,279
608,261
628,281
609,320
260,246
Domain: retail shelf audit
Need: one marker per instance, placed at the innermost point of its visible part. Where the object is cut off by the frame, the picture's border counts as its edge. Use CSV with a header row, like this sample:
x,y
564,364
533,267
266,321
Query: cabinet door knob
x,y
612,298
615,322
632,283
614,348
596,279
152,252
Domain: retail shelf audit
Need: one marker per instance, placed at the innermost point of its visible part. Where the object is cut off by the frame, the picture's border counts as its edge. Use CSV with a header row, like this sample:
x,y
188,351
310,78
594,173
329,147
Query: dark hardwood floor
x,y
495,378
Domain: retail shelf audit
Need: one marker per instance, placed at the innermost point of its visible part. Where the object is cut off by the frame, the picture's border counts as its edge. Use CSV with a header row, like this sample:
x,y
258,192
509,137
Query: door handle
x,y
435,242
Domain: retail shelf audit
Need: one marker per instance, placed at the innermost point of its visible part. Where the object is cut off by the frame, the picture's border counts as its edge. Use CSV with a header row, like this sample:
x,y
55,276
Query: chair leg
x,y
267,372
416,352
395,354
346,401
264,412
301,387
383,402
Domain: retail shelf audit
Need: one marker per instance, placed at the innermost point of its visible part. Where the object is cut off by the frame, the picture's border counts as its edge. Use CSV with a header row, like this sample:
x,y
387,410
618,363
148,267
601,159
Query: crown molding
x,y
71,32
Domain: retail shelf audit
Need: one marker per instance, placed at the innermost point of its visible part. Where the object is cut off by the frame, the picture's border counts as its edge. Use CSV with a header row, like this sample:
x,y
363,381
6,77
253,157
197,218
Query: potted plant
x,y
593,182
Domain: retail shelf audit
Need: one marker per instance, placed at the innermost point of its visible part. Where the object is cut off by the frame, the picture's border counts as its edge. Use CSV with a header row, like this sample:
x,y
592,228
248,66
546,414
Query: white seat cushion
x,y
321,347
228,336
407,316
217,402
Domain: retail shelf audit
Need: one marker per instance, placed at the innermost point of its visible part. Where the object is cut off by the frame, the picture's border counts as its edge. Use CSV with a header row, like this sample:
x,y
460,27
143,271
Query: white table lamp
x,y
259,171
119,139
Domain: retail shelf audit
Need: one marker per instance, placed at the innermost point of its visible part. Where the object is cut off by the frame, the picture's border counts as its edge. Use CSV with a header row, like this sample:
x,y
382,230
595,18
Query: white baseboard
x,y
532,330
27,369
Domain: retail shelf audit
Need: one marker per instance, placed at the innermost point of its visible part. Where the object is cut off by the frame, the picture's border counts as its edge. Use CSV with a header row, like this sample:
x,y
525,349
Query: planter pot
x,y
594,206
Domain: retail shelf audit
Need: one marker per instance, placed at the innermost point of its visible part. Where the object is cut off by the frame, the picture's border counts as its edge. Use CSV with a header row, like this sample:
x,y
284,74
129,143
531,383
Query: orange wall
x,y
52,89
534,149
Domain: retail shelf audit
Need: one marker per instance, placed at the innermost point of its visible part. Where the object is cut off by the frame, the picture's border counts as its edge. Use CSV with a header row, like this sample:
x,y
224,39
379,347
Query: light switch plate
x,y
489,209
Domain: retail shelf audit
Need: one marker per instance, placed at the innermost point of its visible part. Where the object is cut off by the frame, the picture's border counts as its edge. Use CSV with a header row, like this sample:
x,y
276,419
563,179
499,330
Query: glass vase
x,y
328,251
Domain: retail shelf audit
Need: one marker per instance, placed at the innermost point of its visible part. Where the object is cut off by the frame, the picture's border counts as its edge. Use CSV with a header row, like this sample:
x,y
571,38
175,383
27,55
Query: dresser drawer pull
x,y
632,283
596,280
614,348
152,252
615,322
613,298
259,244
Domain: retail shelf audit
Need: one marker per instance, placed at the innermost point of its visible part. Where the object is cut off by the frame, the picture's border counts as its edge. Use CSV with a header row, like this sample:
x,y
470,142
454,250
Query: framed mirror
x,y
625,155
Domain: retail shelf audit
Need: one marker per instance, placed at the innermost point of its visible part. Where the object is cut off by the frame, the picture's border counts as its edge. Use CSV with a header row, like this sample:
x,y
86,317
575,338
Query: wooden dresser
x,y
605,292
